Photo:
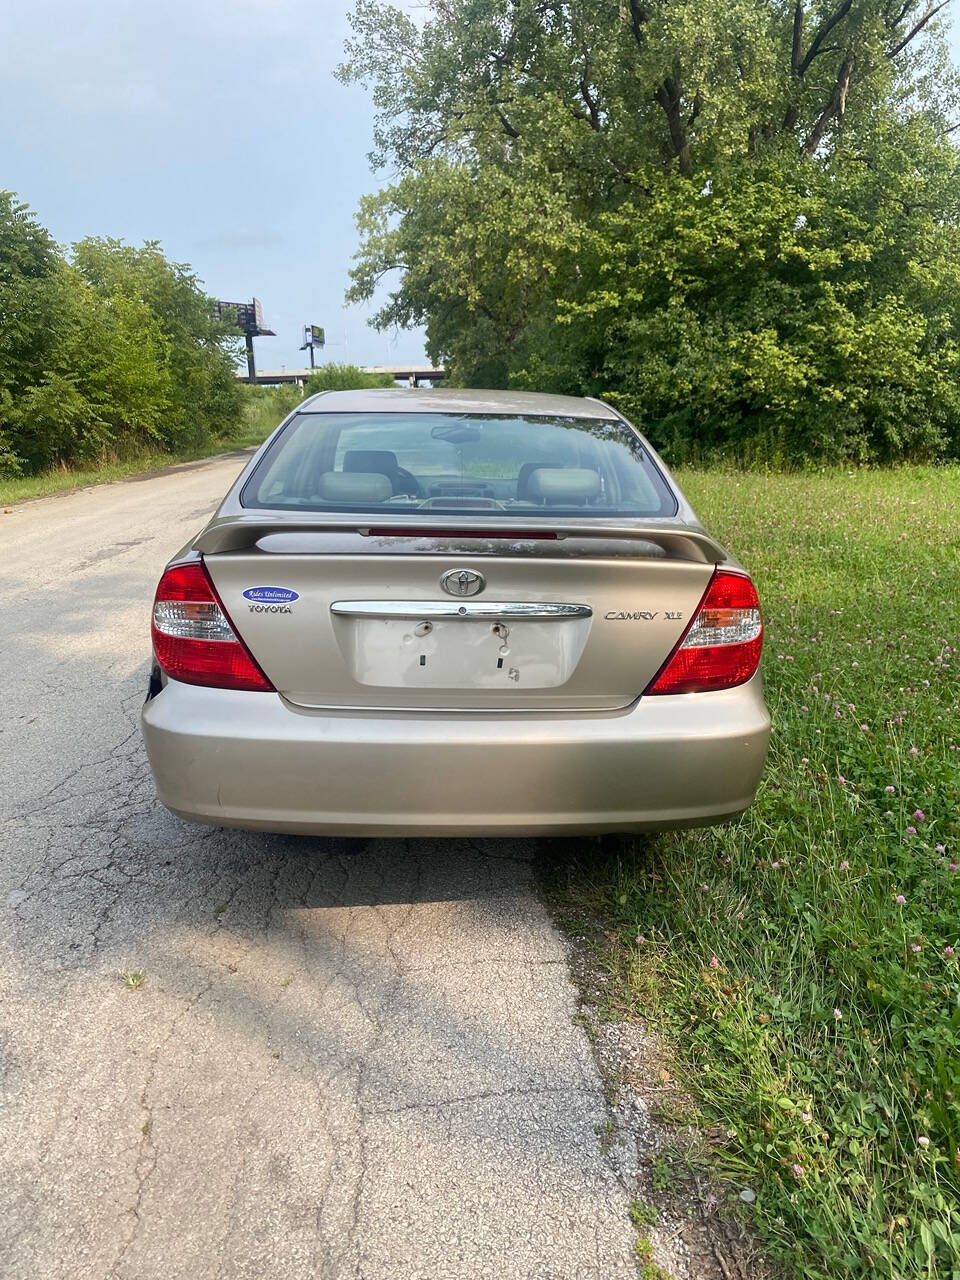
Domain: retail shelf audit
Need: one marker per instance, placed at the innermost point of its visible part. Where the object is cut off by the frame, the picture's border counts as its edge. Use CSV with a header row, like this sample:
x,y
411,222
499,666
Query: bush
x,y
264,408
106,355
345,377
780,316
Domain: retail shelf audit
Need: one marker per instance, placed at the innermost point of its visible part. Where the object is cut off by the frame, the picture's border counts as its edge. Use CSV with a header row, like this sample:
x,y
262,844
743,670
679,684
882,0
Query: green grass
x,y
814,1016
64,479
263,409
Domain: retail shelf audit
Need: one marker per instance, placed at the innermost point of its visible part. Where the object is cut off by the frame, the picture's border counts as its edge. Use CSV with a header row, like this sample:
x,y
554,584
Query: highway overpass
x,y
414,374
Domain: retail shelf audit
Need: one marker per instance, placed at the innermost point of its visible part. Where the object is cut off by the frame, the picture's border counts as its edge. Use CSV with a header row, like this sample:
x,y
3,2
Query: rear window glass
x,y
500,465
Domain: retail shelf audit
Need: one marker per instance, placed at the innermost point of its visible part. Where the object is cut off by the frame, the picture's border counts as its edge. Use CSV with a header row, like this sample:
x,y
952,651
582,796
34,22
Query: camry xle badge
x,y
462,582
638,615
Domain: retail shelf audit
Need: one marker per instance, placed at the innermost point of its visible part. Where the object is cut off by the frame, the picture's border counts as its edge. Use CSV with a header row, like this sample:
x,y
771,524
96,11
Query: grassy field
x,y
802,964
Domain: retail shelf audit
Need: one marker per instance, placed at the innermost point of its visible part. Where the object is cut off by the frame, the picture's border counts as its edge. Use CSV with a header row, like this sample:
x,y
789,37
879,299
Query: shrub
x,y
106,355
345,377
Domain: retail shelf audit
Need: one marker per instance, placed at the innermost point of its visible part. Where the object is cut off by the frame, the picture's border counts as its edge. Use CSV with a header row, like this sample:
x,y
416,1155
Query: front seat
x,y
384,462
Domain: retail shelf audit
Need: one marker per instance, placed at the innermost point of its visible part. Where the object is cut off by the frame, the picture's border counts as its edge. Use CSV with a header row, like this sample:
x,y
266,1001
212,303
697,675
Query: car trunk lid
x,y
339,615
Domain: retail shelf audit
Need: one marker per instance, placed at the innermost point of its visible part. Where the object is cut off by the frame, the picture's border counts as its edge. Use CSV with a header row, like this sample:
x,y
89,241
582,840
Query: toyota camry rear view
x,y
450,612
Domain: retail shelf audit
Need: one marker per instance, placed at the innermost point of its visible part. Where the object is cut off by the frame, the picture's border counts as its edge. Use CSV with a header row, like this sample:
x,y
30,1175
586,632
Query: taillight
x,y
192,635
721,647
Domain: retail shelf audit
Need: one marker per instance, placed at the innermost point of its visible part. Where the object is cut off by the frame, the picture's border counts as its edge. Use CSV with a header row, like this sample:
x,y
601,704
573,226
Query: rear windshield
x,y
500,465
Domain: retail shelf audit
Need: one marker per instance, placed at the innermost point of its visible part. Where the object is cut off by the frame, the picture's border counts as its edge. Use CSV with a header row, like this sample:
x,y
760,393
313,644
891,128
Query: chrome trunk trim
x,y
484,610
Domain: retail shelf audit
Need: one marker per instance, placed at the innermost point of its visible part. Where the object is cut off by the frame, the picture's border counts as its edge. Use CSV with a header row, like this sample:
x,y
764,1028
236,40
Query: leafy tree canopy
x,y
104,352
737,220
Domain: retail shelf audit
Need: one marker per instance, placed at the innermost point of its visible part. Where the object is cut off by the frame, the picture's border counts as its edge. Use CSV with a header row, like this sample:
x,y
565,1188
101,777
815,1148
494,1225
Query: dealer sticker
x,y
271,595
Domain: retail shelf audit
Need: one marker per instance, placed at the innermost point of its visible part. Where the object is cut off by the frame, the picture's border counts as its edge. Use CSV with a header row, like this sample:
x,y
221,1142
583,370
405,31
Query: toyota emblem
x,y
462,582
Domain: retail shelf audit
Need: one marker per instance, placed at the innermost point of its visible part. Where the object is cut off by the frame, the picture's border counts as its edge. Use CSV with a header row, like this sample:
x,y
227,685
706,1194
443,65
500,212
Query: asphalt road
x,y
347,1058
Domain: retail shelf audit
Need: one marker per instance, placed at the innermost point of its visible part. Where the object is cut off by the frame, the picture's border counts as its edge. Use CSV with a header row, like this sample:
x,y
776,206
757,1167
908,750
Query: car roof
x,y
455,400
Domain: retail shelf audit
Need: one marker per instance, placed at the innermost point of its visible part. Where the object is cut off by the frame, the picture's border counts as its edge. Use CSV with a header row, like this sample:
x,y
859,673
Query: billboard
x,y
313,336
245,317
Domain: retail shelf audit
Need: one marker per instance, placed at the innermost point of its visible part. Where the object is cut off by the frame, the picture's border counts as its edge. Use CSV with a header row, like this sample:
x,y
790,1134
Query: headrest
x,y
382,460
357,486
523,477
563,485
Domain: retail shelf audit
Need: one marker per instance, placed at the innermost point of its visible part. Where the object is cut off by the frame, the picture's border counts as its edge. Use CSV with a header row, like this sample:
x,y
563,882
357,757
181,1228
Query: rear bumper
x,y
252,760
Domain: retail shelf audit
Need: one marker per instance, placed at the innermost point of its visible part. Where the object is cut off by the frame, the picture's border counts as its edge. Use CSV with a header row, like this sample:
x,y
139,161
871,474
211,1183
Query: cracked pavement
x,y
347,1058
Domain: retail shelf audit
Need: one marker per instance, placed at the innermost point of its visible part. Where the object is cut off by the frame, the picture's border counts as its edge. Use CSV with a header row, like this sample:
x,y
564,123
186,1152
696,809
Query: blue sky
x,y
217,128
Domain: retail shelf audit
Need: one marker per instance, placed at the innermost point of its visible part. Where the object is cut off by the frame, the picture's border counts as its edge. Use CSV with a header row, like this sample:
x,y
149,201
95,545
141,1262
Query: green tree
x,y
107,354
198,351
29,265
103,388
738,219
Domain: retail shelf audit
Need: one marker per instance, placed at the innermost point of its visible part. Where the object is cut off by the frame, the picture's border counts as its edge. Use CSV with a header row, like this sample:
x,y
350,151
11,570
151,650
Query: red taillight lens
x,y
193,638
721,647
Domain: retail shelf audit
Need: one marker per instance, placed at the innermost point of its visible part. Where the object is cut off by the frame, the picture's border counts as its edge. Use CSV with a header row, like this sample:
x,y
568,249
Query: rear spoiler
x,y
243,532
